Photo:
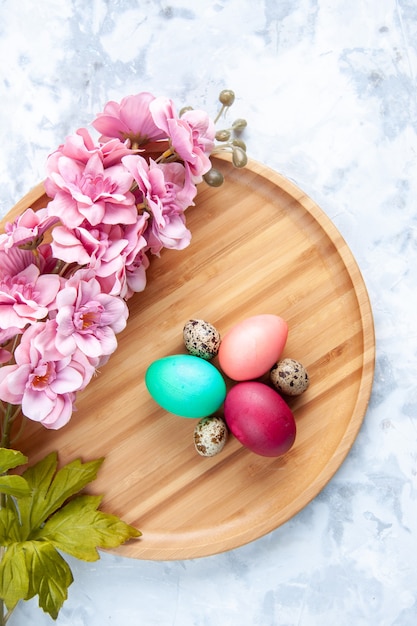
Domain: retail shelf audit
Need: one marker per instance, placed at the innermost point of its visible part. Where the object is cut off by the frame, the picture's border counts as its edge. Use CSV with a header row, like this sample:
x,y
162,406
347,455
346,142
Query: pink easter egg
x,y
251,347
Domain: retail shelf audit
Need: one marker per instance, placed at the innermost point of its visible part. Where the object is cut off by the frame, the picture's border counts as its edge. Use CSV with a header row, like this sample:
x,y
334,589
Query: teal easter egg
x,y
186,385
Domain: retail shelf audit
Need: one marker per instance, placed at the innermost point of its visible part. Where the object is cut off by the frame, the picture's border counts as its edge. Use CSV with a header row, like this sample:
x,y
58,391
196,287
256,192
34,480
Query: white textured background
x,y
329,90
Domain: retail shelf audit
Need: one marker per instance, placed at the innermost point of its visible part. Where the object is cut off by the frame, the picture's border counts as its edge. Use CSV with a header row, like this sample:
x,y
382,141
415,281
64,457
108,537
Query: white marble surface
x,y
329,89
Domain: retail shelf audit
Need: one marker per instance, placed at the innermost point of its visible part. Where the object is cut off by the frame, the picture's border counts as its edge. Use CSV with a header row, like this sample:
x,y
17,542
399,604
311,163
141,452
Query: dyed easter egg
x,y
186,385
259,418
251,347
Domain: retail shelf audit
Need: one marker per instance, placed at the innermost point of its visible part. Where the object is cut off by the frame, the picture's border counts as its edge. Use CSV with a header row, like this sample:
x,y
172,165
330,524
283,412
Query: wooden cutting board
x,y
259,245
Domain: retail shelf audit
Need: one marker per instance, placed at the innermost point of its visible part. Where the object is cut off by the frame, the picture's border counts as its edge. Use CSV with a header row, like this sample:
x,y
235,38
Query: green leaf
x,y
49,576
51,488
9,524
14,576
48,517
9,459
79,529
39,478
32,568
14,486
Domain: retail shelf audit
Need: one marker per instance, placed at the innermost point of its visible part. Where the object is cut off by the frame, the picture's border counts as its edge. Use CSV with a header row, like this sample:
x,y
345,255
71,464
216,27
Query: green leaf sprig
x,y
42,513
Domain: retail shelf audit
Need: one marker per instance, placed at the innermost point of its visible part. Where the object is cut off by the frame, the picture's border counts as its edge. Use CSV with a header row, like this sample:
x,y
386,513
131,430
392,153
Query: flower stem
x,y
219,114
4,616
7,425
9,415
169,154
21,427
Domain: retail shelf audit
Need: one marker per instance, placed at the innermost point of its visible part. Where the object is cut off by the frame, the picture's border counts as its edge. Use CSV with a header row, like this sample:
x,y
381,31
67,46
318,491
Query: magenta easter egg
x,y
259,418
251,347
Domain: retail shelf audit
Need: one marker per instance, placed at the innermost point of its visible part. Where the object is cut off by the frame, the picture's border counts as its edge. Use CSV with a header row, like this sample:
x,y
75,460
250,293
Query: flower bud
x,y
214,178
239,157
239,124
227,97
223,135
184,110
239,143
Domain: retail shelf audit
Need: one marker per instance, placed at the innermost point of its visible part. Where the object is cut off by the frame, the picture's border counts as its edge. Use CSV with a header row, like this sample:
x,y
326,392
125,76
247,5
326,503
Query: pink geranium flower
x,y
16,260
90,247
113,202
130,278
191,136
131,120
8,333
81,147
25,294
163,192
87,318
27,230
90,192
135,276
105,249
43,380
129,275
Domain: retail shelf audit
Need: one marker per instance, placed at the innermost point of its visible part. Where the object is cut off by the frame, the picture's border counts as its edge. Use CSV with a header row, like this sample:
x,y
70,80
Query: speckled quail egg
x,y
201,339
290,377
210,435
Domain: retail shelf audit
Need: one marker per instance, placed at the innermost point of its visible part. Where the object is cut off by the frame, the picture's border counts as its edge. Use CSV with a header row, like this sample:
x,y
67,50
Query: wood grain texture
x,y
259,245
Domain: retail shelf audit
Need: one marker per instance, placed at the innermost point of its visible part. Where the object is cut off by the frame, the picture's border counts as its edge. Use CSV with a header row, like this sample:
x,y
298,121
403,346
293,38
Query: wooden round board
x,y
259,245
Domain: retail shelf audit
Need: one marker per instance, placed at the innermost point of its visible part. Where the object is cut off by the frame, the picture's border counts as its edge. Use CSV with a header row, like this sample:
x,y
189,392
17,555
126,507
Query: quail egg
x,y
210,435
201,339
290,377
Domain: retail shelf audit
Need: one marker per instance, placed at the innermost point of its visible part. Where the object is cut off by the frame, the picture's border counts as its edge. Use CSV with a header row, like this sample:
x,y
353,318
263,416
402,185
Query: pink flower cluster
x,y
113,202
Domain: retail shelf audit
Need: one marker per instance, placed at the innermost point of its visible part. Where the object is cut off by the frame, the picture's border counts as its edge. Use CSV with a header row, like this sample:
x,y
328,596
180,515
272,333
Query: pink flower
x,y
164,194
8,333
90,247
191,136
135,276
27,230
81,147
130,274
130,120
25,296
87,318
105,249
202,128
90,192
43,380
16,260
173,235
131,277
